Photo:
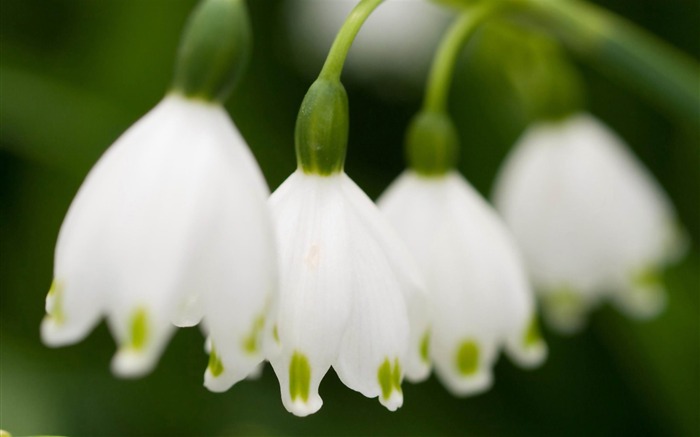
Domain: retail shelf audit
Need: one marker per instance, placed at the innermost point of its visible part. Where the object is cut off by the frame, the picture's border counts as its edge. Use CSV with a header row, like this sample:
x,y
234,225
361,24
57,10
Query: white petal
x,y
138,231
70,319
525,345
315,301
405,268
376,340
642,296
238,275
190,311
480,295
584,211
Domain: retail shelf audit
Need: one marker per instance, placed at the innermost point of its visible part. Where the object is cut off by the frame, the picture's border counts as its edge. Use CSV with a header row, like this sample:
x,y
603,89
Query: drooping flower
x,y
171,225
349,296
591,221
347,291
175,207
477,286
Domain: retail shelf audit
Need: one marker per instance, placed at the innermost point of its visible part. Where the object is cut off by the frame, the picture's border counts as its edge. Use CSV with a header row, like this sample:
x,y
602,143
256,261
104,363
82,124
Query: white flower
x,y
590,220
396,44
170,224
347,290
477,286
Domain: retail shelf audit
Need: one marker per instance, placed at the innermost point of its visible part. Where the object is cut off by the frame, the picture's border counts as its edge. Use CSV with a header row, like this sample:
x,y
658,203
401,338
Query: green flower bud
x,y
321,134
563,95
214,50
432,144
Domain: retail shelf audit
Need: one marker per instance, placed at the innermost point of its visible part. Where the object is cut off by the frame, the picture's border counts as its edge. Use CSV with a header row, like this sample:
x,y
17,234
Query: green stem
x,y
333,66
622,50
443,67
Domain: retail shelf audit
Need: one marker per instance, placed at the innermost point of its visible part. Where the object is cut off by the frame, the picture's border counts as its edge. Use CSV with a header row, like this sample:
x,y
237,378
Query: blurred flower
x,y
591,221
347,291
395,45
478,290
171,224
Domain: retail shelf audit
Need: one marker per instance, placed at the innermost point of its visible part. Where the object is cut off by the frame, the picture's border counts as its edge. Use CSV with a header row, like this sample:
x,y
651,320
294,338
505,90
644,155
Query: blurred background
x,y
74,74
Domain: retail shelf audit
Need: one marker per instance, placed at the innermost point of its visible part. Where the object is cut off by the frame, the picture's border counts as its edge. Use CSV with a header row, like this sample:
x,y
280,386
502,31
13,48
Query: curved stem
x,y
443,67
333,66
622,50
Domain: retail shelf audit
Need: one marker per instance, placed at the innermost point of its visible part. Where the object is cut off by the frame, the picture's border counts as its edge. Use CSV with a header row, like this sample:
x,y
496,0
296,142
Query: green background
x,y
74,74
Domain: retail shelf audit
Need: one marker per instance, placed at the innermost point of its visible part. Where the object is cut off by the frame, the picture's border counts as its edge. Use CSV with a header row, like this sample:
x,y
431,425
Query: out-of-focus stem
x,y
443,67
631,55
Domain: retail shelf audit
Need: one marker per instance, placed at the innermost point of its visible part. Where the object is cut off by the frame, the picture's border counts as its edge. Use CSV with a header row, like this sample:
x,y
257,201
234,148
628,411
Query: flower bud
x,y
321,134
214,50
432,145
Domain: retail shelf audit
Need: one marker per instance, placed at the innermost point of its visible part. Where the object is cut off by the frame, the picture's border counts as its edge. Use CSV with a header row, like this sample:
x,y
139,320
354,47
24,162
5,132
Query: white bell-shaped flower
x,y
171,224
476,283
590,220
347,290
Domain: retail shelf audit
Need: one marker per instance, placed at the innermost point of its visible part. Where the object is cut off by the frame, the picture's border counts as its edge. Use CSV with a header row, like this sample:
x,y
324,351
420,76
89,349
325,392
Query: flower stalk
x,y
432,146
442,70
321,133
333,67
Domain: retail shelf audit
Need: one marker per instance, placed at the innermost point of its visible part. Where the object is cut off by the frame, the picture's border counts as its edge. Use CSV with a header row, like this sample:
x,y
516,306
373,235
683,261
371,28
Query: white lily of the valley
x,y
591,221
474,276
347,290
171,224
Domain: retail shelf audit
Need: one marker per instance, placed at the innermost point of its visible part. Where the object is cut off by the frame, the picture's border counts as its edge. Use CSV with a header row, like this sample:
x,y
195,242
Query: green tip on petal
x,y
389,378
216,367
299,377
648,278
396,375
467,358
564,309
55,303
138,330
250,344
425,347
385,380
532,335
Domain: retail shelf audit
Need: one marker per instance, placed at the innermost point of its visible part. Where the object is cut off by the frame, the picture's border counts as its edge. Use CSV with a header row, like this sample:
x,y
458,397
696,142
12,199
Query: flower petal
x,y
138,233
404,267
376,339
479,291
237,275
314,302
586,213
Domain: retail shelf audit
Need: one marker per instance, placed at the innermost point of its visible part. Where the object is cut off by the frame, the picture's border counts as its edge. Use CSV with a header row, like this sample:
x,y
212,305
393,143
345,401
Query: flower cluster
x,y
175,226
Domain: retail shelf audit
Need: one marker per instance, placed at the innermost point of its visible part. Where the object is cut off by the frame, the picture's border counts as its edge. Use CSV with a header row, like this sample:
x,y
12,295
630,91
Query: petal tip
x,y
218,383
57,334
642,303
472,385
530,357
394,401
301,408
132,363
417,372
